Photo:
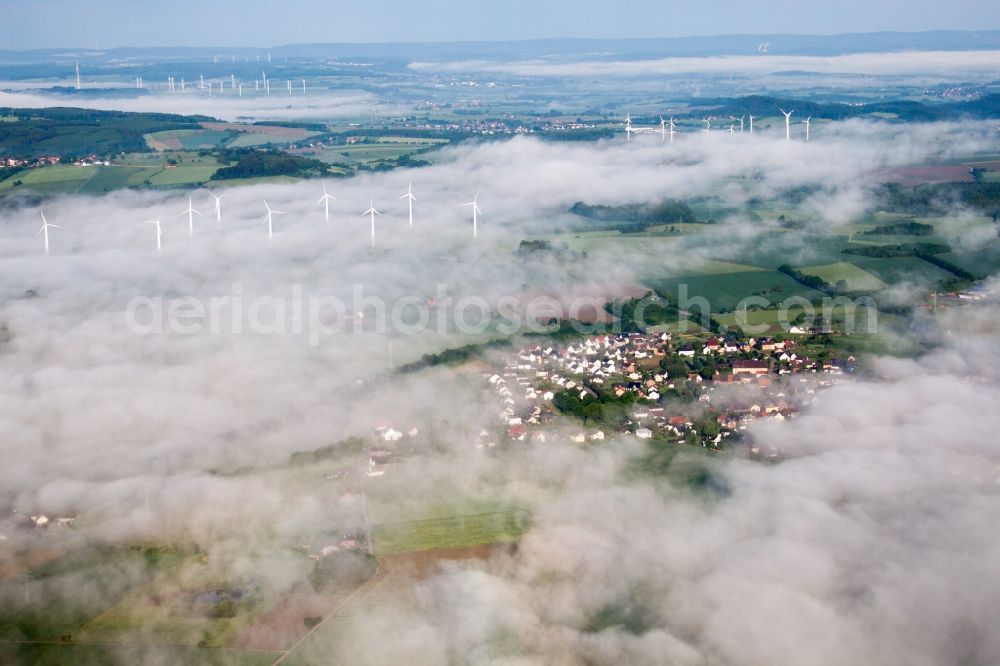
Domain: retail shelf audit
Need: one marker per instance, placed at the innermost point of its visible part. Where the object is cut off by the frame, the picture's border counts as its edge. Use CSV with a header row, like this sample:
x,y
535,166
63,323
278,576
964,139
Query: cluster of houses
x,y
380,456
39,521
29,163
49,160
747,383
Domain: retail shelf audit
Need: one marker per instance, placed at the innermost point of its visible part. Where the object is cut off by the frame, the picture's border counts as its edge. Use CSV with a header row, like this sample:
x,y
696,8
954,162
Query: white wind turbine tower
x,y
806,123
326,199
410,199
628,126
732,128
371,211
218,206
788,124
270,214
475,215
663,129
751,123
77,76
673,129
708,126
44,231
742,118
159,234
190,212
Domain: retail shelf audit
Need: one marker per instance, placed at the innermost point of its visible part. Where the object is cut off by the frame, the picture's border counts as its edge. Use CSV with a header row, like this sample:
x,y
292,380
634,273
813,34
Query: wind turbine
x,y
190,212
77,76
663,129
371,211
409,196
751,123
44,231
732,128
326,199
270,214
628,126
159,234
708,126
806,122
673,129
218,206
475,213
788,124
742,118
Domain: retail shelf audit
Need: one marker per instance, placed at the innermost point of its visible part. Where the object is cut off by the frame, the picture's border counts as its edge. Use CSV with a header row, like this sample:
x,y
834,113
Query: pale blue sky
x,y
107,23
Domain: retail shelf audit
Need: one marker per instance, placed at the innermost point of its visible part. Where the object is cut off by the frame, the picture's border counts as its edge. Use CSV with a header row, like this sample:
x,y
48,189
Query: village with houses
x,y
696,391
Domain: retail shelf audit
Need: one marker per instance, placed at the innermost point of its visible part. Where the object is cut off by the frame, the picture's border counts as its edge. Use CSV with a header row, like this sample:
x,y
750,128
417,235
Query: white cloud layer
x,y
949,64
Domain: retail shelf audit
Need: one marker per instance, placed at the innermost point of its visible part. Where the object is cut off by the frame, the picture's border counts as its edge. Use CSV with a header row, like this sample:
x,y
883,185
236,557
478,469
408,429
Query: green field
x,y
897,270
982,262
248,140
857,279
725,291
187,139
56,179
363,152
109,178
450,532
185,175
793,248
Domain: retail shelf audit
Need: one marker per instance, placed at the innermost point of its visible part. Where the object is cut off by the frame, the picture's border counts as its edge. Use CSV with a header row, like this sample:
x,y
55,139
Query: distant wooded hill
x,y
69,132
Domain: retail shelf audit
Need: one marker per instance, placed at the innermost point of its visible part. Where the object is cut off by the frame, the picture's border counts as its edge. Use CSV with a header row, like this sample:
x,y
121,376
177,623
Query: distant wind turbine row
x,y
668,129
324,200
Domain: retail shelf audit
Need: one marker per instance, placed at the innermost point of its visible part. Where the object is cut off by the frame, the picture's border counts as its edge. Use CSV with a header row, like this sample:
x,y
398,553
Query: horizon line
x,y
755,35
